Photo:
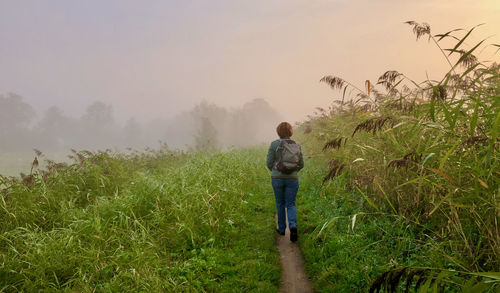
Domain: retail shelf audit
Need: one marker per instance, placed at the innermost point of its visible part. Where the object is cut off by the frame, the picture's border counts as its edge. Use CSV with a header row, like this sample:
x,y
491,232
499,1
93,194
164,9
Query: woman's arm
x,y
270,158
301,161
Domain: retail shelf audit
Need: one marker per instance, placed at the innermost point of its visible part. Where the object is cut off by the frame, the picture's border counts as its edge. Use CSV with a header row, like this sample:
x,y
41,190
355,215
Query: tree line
x,y
206,125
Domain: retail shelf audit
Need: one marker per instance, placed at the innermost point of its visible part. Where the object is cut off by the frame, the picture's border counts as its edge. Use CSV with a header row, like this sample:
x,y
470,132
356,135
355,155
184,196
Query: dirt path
x,y
293,276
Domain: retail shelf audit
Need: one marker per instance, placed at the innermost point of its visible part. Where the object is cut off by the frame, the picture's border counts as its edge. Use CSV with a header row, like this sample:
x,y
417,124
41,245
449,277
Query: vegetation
x,y
399,193
420,160
159,220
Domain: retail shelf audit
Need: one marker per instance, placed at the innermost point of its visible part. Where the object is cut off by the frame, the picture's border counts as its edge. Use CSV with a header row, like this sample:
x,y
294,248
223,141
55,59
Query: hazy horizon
x,y
160,59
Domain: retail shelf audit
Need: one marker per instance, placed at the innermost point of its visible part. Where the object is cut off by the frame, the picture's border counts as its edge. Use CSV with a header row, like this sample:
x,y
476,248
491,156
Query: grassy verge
x,y
410,195
160,221
345,247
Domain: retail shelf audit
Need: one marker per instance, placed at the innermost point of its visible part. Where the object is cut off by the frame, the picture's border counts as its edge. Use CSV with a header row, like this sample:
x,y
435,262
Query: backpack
x,y
288,153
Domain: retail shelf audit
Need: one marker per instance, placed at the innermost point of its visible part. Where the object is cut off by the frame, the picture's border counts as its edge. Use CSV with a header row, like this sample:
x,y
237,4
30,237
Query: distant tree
x,y
15,118
99,114
14,113
98,129
55,129
209,119
206,138
252,121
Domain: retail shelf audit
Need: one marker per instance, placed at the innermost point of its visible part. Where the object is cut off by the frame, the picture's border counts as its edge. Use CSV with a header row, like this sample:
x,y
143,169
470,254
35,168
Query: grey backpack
x,y
288,153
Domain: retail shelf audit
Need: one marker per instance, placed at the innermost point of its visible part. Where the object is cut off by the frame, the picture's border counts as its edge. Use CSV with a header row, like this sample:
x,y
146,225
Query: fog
x,y
204,73
205,126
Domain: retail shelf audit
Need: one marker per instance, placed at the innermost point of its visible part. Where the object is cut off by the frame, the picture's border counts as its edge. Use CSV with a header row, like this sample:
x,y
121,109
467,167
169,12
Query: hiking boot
x,y
293,234
281,233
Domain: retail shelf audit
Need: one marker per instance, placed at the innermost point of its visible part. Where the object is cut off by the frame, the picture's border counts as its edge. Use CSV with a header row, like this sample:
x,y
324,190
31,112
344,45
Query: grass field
x,y
194,222
399,193
145,222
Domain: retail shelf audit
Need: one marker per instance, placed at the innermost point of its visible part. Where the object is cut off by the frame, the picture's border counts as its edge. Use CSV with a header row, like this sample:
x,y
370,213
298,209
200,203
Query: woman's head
x,y
284,129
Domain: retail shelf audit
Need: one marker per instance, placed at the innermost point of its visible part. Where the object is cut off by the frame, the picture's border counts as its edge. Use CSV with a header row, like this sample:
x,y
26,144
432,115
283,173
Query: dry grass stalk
x,y
335,169
334,82
373,125
388,79
420,29
439,93
469,60
410,160
392,278
335,143
474,140
28,180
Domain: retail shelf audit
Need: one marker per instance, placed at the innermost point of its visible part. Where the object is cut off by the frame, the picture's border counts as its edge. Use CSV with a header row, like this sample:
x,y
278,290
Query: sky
x,y
157,58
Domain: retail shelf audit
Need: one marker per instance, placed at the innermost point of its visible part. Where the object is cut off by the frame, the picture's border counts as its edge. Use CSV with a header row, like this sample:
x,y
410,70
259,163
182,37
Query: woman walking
x,y
284,160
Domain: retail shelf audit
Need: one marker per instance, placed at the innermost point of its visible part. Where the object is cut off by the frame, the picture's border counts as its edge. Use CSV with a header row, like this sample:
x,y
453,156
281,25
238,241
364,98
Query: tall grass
x,y
427,152
154,221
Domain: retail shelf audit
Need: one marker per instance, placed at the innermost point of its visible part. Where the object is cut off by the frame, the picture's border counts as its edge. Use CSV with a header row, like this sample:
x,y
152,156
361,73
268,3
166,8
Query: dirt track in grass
x,y
293,275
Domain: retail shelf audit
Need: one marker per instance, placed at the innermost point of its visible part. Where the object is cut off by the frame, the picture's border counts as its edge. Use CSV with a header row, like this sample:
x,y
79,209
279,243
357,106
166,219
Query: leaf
x,y
442,174
427,157
469,70
367,199
494,132
463,39
496,45
432,110
343,95
482,183
387,199
468,53
491,275
448,34
353,222
477,288
451,150
395,126
440,203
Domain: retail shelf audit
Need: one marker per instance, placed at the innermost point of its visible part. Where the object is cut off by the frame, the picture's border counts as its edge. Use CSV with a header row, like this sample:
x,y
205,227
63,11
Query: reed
x,y
426,152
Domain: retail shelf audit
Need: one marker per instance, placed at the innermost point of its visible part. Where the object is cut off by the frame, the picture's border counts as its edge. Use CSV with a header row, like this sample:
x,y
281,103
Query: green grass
x,y
411,199
417,164
346,255
162,221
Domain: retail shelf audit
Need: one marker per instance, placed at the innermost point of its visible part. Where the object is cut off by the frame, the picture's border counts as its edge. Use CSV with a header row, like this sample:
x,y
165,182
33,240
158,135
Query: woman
x,y
284,160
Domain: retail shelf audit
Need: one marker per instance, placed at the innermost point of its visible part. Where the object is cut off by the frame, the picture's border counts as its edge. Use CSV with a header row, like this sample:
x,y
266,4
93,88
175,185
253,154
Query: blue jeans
x,y
285,191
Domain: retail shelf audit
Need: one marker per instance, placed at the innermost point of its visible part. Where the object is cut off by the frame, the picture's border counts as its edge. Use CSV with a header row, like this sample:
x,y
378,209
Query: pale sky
x,y
156,58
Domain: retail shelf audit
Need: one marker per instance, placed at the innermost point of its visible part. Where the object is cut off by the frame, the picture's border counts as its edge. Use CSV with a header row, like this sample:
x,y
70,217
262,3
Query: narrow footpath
x,y
293,275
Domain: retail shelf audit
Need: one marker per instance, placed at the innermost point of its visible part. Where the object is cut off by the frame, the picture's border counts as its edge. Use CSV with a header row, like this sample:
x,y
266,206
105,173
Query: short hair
x,y
284,129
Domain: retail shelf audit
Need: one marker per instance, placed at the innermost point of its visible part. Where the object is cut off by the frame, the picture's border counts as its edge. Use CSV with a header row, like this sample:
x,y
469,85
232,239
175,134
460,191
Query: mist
x,y
205,126
199,74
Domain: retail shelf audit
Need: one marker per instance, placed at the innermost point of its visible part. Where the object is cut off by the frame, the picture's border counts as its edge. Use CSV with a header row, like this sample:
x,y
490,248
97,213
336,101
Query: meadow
x,y
154,221
399,193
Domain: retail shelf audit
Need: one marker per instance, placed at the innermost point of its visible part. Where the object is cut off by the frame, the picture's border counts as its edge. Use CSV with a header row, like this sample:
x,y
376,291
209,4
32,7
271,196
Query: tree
x,y
14,113
254,122
209,119
98,127
15,118
206,138
99,114
55,129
